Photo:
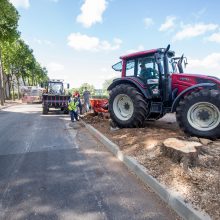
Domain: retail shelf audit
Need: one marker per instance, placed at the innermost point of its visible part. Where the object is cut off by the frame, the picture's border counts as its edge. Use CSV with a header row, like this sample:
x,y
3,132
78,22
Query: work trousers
x,y
74,115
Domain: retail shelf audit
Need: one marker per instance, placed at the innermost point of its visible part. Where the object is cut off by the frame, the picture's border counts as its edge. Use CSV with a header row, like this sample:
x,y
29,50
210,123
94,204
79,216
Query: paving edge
x,y
185,210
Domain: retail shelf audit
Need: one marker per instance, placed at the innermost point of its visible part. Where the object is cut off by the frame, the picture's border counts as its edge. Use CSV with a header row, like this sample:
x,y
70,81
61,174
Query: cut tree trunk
x,y
181,151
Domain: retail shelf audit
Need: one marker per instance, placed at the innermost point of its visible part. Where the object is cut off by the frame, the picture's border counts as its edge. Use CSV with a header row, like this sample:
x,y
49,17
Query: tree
x,y
105,85
20,63
89,87
8,31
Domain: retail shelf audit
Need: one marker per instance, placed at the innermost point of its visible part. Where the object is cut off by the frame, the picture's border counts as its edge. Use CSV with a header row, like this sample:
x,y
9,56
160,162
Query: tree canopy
x,y
17,61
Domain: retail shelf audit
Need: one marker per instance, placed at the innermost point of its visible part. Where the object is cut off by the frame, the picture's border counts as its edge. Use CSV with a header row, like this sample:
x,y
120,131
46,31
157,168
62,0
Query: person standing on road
x,y
72,107
76,94
86,97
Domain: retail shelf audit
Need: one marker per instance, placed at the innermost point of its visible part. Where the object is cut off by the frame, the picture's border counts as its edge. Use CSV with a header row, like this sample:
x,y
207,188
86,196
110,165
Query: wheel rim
x,y
203,116
123,107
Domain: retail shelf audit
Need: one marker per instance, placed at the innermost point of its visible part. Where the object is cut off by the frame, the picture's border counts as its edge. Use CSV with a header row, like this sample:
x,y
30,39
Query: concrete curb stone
x,y
185,210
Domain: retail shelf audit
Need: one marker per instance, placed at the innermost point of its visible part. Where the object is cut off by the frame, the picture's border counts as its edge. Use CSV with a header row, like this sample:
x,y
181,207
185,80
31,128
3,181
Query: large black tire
x,y
136,102
45,110
198,114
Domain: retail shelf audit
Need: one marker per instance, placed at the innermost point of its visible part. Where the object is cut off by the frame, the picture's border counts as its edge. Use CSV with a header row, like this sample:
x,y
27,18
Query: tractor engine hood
x,y
192,79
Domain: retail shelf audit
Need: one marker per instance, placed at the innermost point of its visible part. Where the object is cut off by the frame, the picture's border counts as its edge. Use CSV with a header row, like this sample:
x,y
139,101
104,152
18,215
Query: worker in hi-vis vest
x,y
73,108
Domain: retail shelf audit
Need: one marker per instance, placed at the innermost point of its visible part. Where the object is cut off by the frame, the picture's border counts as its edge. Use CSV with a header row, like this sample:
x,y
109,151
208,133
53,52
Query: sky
x,y
79,40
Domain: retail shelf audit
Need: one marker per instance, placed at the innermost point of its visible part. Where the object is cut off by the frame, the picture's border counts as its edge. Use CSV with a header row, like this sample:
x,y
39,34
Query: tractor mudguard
x,y
131,81
177,99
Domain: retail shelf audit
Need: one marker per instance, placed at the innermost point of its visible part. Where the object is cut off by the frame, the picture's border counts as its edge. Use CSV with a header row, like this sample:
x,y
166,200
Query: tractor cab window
x,y
130,70
148,69
55,88
149,74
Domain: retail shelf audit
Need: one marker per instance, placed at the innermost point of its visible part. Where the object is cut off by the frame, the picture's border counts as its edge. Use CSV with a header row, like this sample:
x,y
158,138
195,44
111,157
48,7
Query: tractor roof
x,y
140,53
144,53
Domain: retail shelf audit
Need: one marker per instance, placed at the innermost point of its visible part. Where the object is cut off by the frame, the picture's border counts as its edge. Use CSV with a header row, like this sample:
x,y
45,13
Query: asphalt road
x,y
49,170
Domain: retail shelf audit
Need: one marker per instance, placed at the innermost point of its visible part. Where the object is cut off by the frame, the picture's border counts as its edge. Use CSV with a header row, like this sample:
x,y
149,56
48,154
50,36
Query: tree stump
x,y
181,151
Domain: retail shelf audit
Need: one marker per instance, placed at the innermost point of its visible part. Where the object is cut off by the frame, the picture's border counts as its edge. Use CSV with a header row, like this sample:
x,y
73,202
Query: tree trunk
x,y
181,151
13,92
4,79
1,87
32,78
7,89
9,86
18,85
13,86
23,79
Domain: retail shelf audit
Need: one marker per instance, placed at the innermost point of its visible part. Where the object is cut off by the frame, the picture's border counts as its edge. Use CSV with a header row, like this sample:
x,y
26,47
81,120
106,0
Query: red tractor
x,y
153,84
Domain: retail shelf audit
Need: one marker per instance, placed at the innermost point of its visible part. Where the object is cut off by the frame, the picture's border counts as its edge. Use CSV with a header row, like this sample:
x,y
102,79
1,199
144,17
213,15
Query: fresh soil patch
x,y
199,185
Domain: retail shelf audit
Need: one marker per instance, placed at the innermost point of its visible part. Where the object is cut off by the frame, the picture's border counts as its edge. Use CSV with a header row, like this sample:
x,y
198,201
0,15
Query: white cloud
x,y
148,22
80,42
21,3
214,37
190,30
168,24
91,12
209,65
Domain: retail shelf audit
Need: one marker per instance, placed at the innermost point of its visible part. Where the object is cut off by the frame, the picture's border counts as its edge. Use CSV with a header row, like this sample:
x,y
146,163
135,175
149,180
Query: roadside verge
x,y
185,210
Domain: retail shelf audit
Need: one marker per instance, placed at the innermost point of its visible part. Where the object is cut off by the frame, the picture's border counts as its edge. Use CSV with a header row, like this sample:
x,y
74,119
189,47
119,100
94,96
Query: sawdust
x,y
199,185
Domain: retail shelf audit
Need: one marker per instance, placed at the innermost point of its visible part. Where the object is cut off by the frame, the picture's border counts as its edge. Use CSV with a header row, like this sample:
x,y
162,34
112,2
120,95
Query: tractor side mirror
x,y
68,85
185,62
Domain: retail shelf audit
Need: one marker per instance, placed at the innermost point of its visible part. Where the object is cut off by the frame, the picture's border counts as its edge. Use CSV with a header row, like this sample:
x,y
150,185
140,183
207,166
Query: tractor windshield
x,y
55,88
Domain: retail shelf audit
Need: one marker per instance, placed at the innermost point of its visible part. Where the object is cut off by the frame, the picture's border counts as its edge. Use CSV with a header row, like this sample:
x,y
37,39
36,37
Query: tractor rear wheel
x,y
127,106
198,114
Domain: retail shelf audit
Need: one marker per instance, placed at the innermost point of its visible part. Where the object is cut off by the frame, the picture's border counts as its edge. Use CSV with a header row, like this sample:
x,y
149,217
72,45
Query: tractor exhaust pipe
x,y
166,80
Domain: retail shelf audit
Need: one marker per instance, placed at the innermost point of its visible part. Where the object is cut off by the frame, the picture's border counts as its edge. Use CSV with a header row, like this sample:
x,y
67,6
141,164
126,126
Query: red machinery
x,y
99,105
153,83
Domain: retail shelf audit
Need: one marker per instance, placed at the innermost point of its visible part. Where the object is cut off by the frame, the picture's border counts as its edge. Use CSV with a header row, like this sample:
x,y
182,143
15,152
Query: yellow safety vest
x,y
73,106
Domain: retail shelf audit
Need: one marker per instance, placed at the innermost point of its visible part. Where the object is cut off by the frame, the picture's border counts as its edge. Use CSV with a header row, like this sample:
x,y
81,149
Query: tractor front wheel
x,y
198,114
127,106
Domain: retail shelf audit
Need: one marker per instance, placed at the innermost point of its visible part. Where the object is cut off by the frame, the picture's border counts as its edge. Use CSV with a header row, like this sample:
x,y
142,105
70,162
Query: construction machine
x,y
153,83
55,96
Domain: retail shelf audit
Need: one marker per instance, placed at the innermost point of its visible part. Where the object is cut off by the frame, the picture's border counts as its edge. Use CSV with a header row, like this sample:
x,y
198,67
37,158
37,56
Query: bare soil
x,y
199,185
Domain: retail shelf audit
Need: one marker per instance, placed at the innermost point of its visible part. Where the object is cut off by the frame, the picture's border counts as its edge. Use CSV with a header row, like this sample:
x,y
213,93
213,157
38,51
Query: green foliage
x,y
8,21
18,60
89,87
105,85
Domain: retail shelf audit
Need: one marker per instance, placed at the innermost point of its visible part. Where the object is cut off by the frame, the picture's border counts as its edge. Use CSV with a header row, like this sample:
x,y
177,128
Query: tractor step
x,y
156,107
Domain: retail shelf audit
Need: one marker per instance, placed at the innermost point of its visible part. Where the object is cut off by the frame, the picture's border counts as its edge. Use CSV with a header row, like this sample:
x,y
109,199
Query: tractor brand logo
x,y
184,79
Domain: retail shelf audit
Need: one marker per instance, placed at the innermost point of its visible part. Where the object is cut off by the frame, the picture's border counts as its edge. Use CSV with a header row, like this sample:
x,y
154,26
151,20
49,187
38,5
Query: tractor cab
x,y
56,87
150,69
